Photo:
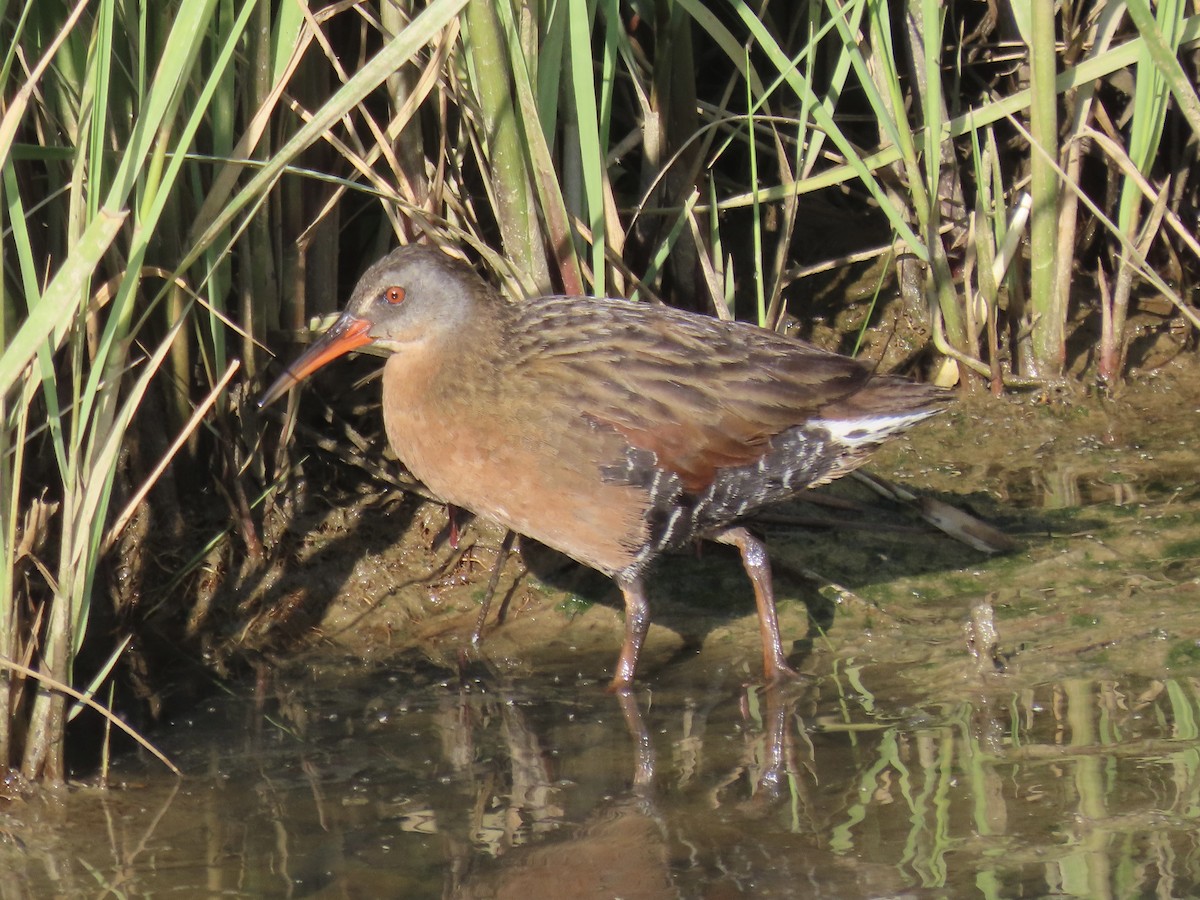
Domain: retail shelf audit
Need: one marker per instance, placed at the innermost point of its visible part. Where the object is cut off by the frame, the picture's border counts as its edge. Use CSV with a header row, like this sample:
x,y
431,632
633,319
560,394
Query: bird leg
x,y
637,623
490,592
758,567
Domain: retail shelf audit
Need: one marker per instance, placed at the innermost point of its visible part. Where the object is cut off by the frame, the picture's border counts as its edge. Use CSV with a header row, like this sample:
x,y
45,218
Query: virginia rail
x,y
609,430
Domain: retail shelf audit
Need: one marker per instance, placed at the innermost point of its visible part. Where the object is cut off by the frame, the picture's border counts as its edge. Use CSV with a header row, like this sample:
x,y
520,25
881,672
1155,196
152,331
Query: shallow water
x,y
906,762
396,781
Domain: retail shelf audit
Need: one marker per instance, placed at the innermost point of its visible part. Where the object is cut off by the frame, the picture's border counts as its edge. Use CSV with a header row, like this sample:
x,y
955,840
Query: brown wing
x,y
701,394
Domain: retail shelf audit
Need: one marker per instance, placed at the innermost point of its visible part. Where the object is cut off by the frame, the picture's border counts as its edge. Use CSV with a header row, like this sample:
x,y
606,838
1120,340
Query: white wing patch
x,y
866,432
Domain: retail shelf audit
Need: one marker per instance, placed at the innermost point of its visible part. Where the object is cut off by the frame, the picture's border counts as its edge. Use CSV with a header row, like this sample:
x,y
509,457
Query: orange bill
x,y
346,334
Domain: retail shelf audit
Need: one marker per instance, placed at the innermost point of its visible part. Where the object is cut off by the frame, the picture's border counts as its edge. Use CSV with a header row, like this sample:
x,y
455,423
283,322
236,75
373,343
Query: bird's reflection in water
x,y
625,845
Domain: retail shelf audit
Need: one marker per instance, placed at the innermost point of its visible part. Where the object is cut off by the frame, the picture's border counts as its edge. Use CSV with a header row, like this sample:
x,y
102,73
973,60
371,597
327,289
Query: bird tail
x,y
885,407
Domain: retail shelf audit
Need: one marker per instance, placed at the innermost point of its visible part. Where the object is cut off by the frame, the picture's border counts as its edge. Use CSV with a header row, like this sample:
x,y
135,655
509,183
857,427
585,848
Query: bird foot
x,y
780,674
619,685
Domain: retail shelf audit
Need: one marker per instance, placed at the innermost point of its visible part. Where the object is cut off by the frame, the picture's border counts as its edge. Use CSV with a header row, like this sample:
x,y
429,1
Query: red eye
x,y
394,294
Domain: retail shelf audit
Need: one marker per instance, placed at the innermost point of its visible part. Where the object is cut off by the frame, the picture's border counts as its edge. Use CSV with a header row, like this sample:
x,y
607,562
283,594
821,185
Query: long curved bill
x,y
346,334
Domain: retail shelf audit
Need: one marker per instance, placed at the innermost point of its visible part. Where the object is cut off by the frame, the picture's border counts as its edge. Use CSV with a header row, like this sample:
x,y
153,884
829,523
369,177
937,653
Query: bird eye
x,y
394,294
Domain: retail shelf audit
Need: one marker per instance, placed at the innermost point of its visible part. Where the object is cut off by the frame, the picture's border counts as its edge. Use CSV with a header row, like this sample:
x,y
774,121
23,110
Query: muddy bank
x,y
1099,496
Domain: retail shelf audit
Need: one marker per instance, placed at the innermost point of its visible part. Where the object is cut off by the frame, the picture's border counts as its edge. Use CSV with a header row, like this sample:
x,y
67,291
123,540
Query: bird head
x,y
411,294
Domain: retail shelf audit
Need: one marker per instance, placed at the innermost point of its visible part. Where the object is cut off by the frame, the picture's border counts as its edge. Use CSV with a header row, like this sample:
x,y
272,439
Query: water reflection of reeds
x,y
483,786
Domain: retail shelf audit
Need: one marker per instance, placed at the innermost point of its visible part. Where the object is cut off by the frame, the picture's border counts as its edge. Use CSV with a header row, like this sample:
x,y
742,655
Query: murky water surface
x,y
1017,725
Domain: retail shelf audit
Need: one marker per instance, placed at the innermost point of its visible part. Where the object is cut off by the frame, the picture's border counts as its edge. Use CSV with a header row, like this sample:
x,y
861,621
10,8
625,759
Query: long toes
x,y
619,685
781,673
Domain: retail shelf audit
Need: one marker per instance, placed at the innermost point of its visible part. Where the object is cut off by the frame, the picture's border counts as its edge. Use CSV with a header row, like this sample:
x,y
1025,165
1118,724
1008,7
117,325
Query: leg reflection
x,y
643,771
